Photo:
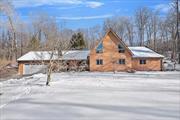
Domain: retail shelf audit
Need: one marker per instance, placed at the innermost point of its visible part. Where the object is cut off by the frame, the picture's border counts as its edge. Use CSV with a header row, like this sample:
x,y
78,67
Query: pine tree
x,y
77,41
34,43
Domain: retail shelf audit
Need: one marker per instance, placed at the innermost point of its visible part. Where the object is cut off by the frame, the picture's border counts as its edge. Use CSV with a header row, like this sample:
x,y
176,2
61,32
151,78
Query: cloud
x,y
66,8
86,17
94,4
36,3
162,7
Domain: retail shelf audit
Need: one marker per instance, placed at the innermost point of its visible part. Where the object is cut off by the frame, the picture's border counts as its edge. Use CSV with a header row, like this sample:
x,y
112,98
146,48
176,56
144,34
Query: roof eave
x,y
147,57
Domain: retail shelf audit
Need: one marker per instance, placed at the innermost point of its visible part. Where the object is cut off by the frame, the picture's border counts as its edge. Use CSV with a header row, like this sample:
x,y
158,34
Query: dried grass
x,y
4,62
4,71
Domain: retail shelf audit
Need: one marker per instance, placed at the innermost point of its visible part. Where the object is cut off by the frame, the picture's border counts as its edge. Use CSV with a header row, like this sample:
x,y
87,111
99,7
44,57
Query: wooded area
x,y
145,28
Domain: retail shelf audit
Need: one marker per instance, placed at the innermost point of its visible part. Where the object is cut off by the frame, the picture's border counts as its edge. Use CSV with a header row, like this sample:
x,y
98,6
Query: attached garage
x,y
33,68
28,68
37,61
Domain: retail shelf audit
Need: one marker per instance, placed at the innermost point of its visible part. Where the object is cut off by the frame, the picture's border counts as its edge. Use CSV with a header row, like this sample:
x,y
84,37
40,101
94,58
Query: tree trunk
x,y
14,45
49,74
48,79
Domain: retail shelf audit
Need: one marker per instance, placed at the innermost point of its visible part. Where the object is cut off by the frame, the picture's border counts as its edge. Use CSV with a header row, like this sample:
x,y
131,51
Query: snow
x,y
38,55
46,55
92,96
76,55
40,75
177,67
144,52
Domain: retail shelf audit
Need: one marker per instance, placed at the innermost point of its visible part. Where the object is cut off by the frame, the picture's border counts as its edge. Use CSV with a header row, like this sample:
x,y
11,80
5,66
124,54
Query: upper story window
x,y
122,61
99,49
142,61
121,49
99,62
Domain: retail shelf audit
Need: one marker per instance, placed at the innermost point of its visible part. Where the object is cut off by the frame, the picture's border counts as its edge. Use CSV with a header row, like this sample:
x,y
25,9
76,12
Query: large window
x,y
99,49
121,49
122,61
99,62
142,61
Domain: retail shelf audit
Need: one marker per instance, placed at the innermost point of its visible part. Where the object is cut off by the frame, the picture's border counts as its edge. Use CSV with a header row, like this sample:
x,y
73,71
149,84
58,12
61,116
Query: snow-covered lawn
x,y
92,96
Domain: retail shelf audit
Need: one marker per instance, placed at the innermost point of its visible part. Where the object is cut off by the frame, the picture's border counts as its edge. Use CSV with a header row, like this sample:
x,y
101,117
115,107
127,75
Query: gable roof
x,y
144,52
46,55
118,41
136,52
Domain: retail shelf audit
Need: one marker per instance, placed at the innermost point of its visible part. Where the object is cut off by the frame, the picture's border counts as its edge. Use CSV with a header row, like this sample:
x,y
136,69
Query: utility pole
x,y
177,37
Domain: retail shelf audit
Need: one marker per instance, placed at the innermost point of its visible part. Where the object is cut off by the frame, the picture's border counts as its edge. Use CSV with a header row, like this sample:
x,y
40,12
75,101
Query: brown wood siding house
x,y
112,54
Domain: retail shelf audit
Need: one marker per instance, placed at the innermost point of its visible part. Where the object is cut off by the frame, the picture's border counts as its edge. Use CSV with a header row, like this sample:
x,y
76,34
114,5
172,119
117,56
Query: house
x,y
37,61
112,54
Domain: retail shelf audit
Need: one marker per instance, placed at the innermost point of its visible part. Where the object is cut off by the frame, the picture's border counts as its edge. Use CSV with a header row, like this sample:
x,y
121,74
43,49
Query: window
x,y
99,62
142,61
121,61
121,49
99,49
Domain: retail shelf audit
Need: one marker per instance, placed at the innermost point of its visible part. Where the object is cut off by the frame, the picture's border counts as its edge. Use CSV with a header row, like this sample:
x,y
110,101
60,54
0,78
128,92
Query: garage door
x,y
32,69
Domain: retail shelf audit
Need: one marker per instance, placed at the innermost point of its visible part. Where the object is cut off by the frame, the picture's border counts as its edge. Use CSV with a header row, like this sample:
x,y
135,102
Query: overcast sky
x,y
86,13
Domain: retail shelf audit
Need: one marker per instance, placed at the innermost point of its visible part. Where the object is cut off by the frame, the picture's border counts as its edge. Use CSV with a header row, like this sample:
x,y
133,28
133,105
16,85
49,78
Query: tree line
x,y
146,27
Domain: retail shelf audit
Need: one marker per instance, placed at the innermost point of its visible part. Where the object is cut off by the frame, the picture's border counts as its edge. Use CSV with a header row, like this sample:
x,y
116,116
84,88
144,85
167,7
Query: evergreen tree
x,y
77,41
34,43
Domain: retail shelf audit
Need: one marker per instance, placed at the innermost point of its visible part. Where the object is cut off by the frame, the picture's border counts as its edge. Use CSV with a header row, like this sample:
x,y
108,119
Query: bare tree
x,y
152,29
117,24
92,35
163,46
129,25
141,18
123,26
7,8
55,44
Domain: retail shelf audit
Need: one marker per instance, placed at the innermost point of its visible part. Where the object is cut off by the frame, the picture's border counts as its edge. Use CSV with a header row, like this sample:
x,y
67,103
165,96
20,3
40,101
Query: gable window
x,y
99,62
99,49
122,61
121,49
142,61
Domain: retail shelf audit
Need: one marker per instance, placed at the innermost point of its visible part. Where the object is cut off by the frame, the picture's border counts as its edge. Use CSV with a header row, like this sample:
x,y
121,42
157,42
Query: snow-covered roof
x,y
144,52
47,55
76,55
138,52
